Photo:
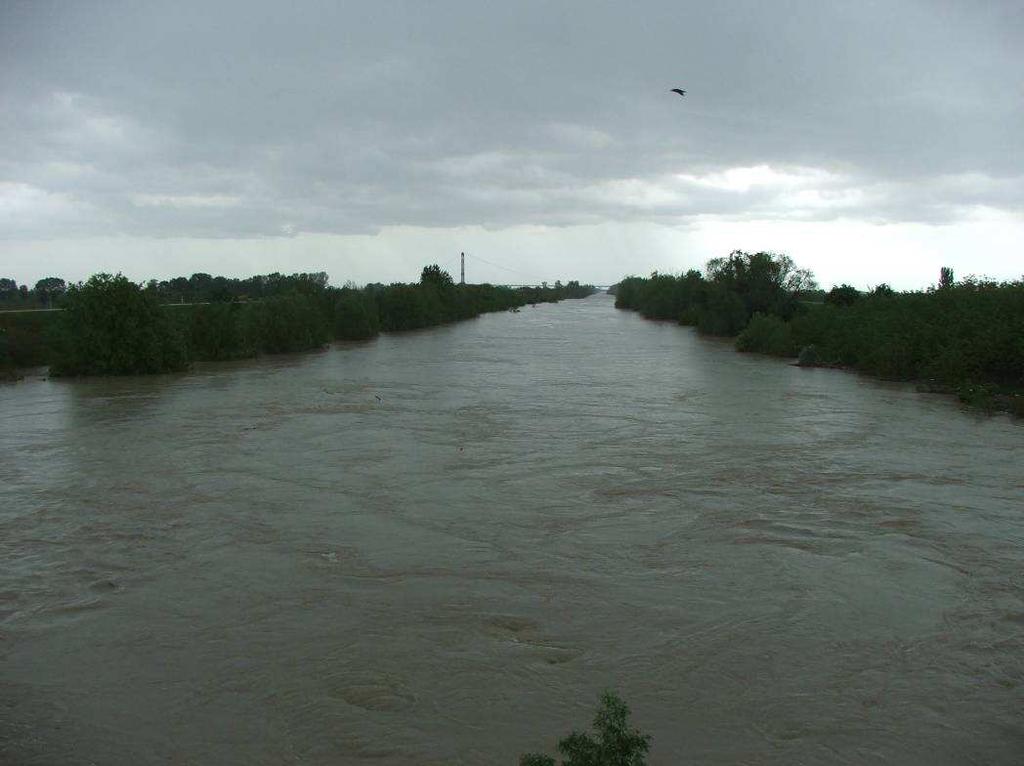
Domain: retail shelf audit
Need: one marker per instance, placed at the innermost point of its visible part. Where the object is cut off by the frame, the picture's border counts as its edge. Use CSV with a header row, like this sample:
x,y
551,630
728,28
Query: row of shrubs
x,y
966,338
112,326
22,341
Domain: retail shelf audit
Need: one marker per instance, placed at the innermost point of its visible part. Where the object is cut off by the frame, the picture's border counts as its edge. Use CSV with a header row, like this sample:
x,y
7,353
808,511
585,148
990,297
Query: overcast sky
x,y
871,141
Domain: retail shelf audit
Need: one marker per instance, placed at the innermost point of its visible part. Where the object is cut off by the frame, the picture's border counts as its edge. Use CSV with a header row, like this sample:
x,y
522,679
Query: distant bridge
x,y
458,266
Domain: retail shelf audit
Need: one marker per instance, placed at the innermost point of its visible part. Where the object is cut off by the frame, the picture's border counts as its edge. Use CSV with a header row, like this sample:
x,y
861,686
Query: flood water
x,y
262,563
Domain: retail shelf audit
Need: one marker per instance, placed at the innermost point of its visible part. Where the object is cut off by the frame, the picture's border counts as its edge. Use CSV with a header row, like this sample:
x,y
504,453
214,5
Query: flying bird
x,y
679,91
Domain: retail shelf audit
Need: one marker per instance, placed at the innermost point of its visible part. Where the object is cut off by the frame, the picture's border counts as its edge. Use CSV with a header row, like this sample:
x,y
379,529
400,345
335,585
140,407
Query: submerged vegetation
x,y
962,337
615,743
112,326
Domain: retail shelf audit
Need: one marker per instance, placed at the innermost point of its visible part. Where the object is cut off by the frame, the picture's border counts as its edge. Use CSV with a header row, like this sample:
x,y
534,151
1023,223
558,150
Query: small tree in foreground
x,y
616,744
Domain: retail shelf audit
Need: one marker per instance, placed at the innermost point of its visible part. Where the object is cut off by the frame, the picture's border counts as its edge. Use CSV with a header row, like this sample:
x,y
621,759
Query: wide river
x,y
263,563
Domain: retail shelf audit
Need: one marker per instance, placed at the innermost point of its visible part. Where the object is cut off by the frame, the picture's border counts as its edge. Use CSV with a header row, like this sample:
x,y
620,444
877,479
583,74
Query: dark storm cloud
x,y
256,119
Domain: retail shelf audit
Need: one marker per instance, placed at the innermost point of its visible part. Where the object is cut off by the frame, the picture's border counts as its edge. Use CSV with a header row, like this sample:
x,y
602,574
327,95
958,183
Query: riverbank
x,y
960,338
112,326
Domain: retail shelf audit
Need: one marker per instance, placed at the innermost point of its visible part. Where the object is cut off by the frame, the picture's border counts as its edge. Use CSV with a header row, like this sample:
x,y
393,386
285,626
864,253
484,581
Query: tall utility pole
x,y
462,279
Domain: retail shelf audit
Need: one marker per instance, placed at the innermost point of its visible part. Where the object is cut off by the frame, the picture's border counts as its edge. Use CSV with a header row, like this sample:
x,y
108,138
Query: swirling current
x,y
440,547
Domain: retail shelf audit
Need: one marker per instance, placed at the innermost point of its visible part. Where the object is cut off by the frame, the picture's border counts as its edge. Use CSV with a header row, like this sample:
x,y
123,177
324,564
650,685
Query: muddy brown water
x,y
262,563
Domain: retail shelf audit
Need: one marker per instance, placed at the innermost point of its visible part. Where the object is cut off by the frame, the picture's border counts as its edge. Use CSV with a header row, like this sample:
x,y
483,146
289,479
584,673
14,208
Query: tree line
x,y
46,294
958,337
111,325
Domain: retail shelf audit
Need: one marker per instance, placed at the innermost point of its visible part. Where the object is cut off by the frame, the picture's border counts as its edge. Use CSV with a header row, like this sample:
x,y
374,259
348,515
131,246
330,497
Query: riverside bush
x,y
767,334
113,326
355,315
110,326
283,324
215,332
965,337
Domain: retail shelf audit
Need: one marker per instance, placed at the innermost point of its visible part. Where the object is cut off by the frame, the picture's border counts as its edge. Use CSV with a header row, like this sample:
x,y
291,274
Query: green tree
x,y
111,326
285,323
179,290
50,288
615,743
765,282
434,275
356,315
215,332
199,285
768,335
843,295
13,294
721,311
